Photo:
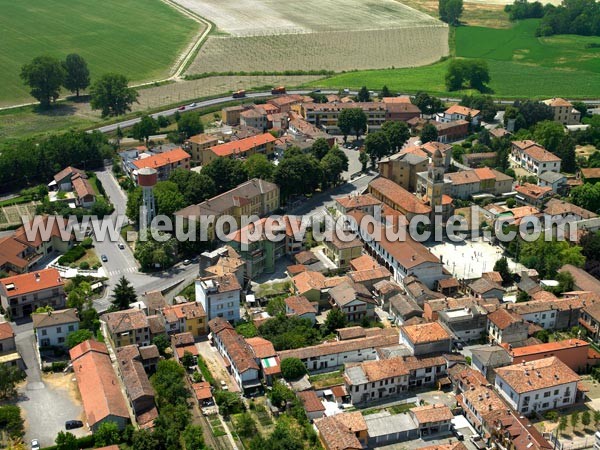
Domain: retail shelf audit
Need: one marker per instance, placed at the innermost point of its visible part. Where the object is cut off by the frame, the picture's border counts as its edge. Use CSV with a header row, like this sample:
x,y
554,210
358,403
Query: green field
x,y
521,65
138,38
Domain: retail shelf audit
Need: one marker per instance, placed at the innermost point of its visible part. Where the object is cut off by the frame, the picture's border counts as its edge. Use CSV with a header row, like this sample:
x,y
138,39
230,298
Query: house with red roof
x,y
23,294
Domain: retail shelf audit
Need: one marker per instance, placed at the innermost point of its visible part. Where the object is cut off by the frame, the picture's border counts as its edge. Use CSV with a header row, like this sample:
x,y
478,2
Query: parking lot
x,y
46,401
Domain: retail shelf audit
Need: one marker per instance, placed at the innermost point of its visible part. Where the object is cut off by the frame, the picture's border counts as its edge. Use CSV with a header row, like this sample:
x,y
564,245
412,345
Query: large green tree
x,y
195,187
259,166
77,75
549,256
363,95
319,148
107,434
226,173
292,368
189,124
397,133
77,337
298,174
450,11
44,75
112,95
123,295
427,104
11,421
333,164
335,320
9,377
377,146
145,128
66,441
352,120
428,133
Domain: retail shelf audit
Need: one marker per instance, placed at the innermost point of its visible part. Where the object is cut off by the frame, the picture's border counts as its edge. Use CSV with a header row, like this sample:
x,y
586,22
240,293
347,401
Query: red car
x,y
181,108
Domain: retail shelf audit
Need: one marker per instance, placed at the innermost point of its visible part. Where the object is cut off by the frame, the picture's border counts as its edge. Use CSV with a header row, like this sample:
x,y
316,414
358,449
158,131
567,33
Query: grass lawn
x,y
138,38
521,65
328,379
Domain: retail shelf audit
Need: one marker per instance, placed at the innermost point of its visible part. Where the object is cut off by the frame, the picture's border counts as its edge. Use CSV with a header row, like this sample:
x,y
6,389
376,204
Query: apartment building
x,y
52,328
534,158
403,259
128,327
398,198
325,115
466,183
342,251
219,296
467,324
21,295
199,144
354,300
376,380
164,163
263,144
402,169
253,197
537,386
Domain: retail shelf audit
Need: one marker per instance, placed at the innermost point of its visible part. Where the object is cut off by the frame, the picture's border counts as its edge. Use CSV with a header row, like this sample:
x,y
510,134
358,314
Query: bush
x,y
229,403
292,368
84,265
551,415
72,255
87,242
206,372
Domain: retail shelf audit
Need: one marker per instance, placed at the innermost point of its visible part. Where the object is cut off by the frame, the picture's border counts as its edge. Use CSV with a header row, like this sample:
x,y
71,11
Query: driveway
x,y
46,401
216,365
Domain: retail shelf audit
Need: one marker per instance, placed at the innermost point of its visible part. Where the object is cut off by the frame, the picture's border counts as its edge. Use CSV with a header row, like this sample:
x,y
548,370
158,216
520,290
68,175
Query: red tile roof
x,y
399,196
243,145
162,159
310,401
6,331
31,282
100,390
462,110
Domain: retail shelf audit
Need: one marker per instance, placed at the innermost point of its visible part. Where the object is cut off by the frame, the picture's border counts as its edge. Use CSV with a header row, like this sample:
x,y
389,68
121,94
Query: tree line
x,y
580,17
46,75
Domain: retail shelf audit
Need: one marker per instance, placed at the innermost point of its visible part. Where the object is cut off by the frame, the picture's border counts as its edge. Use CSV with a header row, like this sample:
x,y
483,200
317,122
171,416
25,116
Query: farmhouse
x,y
74,185
563,111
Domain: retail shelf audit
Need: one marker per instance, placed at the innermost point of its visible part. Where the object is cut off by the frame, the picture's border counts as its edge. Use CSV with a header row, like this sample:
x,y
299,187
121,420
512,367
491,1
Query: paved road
x,y
45,407
122,263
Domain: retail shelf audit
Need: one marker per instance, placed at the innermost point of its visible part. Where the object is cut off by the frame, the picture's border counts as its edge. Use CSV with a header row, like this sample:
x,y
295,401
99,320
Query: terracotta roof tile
x,y
432,413
399,196
539,374
243,145
54,318
162,159
6,331
503,318
31,282
299,305
311,401
427,332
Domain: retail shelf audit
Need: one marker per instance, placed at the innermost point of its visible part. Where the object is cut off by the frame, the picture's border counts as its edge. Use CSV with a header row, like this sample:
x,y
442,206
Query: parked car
x,y
458,346
186,262
121,246
192,105
35,444
104,258
72,424
458,434
239,94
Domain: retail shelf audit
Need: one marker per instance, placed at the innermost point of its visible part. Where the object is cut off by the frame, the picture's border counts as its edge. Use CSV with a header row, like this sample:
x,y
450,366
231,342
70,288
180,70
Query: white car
x,y
35,444
191,105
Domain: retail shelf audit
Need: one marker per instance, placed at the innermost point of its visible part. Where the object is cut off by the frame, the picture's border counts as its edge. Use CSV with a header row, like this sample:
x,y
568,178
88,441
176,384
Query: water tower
x,y
147,179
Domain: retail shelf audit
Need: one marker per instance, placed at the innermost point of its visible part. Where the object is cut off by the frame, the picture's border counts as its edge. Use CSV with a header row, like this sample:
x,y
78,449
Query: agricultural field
x,y
521,65
336,50
271,35
138,38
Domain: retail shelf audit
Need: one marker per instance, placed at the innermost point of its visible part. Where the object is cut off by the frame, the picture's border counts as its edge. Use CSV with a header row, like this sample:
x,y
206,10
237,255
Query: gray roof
x,y
551,177
405,305
222,202
494,356
385,423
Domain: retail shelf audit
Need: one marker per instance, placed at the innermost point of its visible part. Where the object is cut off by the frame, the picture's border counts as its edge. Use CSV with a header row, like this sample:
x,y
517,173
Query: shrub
x,y
292,368
87,242
72,255
84,265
